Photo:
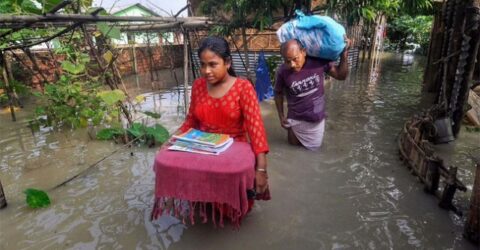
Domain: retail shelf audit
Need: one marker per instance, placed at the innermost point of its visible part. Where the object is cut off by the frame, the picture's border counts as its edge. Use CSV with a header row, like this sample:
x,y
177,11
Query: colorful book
x,y
204,138
193,147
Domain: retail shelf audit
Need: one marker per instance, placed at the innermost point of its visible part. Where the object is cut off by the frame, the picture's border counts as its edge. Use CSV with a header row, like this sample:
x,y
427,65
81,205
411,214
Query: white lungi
x,y
310,134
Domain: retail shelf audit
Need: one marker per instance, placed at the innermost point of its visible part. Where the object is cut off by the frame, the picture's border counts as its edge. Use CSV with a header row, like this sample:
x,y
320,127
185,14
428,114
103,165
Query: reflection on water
x,y
353,194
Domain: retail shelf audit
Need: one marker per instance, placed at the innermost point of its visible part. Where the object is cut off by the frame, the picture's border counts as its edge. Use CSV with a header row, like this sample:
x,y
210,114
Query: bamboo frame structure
x,y
73,21
416,152
3,200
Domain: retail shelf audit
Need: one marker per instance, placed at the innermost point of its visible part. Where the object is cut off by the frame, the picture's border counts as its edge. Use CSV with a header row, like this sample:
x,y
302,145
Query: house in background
x,y
145,37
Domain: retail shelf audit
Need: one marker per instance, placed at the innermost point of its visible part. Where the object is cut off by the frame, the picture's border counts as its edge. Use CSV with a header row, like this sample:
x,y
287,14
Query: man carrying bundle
x,y
300,80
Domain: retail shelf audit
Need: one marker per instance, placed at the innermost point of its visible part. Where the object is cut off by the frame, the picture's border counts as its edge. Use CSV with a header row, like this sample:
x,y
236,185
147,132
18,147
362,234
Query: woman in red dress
x,y
226,104
223,103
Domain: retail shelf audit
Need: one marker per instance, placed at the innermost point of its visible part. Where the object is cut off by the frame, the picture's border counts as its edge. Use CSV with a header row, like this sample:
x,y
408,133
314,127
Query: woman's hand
x,y
261,176
261,180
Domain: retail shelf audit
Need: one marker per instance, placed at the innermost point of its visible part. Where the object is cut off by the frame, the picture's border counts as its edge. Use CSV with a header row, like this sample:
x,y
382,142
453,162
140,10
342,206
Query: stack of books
x,y
196,141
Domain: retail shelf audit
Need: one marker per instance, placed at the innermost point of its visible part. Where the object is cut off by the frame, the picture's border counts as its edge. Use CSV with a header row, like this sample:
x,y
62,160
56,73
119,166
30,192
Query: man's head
x,y
293,54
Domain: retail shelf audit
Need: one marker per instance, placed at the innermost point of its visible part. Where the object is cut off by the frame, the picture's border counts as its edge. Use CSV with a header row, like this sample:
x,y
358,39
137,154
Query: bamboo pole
x,y
472,225
245,51
15,19
167,26
185,71
150,62
434,51
8,67
7,87
135,69
3,200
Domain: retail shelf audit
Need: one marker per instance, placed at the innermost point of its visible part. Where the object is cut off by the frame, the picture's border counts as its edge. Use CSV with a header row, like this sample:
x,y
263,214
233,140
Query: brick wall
x,y
160,57
163,57
256,40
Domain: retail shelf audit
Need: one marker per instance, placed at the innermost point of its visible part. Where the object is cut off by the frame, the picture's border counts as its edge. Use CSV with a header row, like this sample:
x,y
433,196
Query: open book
x,y
204,138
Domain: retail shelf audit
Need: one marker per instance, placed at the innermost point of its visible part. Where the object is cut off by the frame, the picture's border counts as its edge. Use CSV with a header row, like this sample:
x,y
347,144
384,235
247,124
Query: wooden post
x,y
3,200
449,190
365,41
185,71
472,226
456,36
466,64
245,51
8,67
135,69
7,86
150,62
435,50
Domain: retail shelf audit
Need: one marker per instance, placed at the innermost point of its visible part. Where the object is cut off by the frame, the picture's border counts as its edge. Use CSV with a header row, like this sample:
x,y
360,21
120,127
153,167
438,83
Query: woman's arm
x,y
253,123
261,176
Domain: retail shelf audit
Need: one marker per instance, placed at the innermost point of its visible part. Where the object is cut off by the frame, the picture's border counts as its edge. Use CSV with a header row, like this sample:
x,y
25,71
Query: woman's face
x,y
213,67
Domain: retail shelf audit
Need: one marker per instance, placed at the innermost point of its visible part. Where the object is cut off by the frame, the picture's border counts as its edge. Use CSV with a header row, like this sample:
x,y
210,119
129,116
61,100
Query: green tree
x,y
407,29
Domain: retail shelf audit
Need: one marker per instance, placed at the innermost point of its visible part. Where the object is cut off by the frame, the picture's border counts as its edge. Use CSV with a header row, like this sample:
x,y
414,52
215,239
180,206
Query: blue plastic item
x,y
263,85
321,36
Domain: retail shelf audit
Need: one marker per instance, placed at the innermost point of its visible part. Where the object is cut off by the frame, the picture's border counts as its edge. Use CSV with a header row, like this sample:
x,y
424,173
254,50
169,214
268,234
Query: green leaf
x,y
49,4
111,97
84,58
37,94
158,132
83,122
72,68
140,98
36,198
103,12
152,114
30,7
108,56
137,130
109,133
39,111
109,31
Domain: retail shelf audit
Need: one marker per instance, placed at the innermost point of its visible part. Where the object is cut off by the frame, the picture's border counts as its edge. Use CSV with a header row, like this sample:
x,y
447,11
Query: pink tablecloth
x,y
200,179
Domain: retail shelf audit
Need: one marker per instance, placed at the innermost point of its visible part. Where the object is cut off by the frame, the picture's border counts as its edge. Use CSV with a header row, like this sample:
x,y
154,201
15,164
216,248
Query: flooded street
x,y
353,194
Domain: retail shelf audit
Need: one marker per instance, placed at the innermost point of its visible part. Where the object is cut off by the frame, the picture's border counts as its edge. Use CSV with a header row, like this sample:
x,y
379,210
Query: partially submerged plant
x,y
36,198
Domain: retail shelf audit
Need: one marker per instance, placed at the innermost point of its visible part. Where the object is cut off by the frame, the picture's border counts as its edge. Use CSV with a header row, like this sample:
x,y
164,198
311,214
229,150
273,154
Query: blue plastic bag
x,y
321,36
263,85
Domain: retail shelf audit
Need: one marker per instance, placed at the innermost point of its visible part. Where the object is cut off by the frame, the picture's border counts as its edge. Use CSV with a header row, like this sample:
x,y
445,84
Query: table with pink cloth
x,y
219,180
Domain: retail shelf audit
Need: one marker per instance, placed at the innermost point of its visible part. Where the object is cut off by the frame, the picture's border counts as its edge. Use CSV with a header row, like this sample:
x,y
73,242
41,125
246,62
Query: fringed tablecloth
x,y
220,180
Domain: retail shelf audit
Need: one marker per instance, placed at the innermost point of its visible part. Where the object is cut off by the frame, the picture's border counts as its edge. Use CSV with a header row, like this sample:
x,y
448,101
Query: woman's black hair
x,y
219,46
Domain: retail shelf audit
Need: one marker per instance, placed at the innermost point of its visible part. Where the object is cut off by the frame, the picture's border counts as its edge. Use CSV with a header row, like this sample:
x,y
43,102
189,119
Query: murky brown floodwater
x,y
353,194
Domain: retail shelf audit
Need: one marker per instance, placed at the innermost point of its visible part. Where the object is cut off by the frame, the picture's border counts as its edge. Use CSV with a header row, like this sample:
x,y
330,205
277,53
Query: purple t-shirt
x,y
304,89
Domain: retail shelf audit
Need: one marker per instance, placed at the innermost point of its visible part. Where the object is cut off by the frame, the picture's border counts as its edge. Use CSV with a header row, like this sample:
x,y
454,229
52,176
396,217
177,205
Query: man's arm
x,y
340,71
279,97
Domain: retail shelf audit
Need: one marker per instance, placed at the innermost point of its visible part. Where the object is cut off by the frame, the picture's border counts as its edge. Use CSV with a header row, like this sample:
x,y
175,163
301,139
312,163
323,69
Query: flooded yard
x,y
353,194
